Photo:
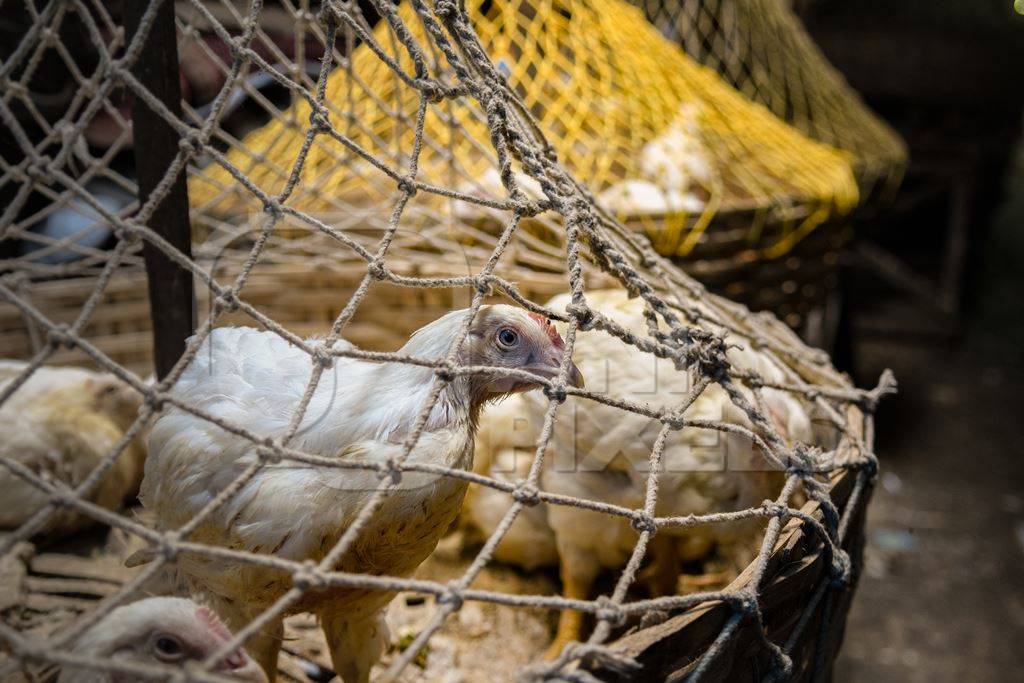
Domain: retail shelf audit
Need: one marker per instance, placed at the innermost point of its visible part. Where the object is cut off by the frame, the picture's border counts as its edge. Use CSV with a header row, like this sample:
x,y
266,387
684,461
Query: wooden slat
x,y
74,587
104,568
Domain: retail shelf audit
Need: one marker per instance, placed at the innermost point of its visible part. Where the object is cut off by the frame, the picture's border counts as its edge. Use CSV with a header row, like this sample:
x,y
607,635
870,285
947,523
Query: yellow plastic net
x,y
762,49
661,141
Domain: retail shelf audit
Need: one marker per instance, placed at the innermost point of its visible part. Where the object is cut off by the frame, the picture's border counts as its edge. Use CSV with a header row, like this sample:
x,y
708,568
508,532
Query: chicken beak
x,y
576,377
551,369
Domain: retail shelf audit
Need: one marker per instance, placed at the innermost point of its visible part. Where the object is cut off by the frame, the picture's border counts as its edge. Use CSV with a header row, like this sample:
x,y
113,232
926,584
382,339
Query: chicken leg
x,y
662,572
356,640
578,571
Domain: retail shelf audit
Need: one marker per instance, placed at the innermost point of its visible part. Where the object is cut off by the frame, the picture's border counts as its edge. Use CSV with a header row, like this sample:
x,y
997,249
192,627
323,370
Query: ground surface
x,y
942,597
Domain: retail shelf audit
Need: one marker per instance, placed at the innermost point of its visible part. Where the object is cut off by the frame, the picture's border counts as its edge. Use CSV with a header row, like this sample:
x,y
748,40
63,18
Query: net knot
x,y
238,50
126,232
484,285
497,113
322,357
886,386
430,89
272,207
268,454
673,421
327,15
377,270
583,315
61,497
66,131
556,394
15,88
526,494
609,611
309,577
228,301
529,209
393,470
800,462
191,142
169,545
451,596
642,522
445,9
746,602
319,120
154,401
842,569
60,336
867,461
39,169
773,509
446,371
408,186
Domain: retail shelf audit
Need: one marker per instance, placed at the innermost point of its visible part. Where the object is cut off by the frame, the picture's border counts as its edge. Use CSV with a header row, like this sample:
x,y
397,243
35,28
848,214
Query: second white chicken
x,y
599,452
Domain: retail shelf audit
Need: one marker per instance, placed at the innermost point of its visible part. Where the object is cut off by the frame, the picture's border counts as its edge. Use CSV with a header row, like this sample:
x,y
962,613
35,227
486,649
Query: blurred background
x,y
942,597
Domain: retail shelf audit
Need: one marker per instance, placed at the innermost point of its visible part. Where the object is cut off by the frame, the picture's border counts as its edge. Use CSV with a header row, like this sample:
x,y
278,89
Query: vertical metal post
x,y
171,294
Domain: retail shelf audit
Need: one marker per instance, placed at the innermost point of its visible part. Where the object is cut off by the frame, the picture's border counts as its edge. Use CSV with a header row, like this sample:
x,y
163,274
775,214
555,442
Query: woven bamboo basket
x,y
306,297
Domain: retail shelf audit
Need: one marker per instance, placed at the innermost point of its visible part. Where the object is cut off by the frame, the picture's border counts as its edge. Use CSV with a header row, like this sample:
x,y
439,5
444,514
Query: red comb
x,y
546,325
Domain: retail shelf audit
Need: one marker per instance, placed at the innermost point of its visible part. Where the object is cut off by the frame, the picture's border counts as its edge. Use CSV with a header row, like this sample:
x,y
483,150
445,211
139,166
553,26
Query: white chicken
x,y
360,411
677,158
600,452
643,198
60,423
489,186
157,631
674,173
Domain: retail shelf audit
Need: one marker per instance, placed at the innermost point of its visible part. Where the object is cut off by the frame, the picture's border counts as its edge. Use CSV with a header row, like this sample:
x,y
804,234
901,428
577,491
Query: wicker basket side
x,y
305,300
801,608
119,327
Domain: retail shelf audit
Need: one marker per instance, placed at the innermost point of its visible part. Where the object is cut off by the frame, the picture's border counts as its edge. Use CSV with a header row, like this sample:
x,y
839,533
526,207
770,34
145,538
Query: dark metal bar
x,y
171,294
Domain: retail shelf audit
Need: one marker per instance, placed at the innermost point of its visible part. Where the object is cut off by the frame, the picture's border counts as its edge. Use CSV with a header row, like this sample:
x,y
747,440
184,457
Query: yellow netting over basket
x,y
661,140
762,49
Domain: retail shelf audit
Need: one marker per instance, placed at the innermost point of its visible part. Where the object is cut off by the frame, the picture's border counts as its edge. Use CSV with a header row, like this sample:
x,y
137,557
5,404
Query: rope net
x,y
762,49
553,239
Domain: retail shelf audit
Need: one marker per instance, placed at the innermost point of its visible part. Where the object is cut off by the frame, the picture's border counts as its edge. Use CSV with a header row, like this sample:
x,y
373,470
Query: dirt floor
x,y
942,596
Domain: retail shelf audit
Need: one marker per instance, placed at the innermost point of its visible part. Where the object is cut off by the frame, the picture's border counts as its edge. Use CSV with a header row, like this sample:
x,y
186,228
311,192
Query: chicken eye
x,y
507,337
168,648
